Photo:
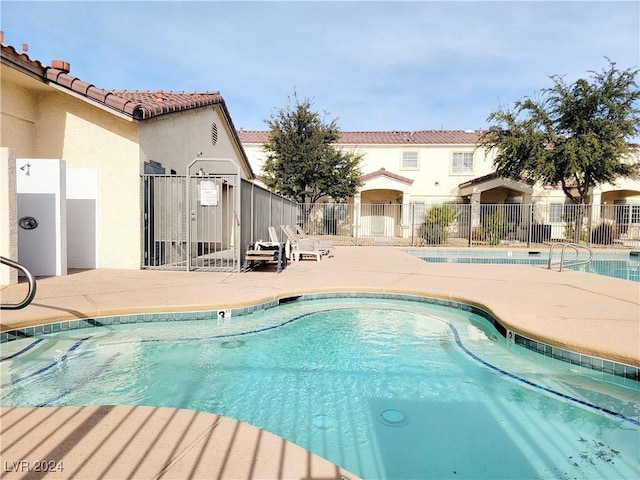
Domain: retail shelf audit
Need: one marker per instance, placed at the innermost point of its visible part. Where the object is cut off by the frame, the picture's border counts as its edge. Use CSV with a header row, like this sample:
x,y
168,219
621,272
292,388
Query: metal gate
x,y
191,222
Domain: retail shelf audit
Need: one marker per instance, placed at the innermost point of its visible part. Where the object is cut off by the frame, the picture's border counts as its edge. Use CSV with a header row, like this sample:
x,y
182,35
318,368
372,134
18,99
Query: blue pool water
x,y
618,265
385,388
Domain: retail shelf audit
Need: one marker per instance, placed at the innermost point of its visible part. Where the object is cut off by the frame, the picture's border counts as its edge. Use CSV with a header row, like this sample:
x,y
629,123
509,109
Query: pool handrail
x,y
32,285
571,262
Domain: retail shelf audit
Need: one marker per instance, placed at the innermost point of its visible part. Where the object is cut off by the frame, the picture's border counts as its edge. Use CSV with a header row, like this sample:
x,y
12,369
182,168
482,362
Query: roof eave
x,y
93,102
32,68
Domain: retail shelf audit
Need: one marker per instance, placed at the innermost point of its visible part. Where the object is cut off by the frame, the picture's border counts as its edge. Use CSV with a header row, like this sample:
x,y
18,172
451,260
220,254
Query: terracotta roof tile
x,y
22,61
419,137
116,102
385,173
478,180
96,94
153,103
139,105
81,87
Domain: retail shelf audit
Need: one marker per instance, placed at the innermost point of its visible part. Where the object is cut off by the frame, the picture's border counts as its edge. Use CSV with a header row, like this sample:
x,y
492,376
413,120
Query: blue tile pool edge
x,y
588,361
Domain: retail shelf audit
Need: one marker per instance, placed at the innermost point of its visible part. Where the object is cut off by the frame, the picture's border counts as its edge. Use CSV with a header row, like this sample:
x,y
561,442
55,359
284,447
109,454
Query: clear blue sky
x,y
395,65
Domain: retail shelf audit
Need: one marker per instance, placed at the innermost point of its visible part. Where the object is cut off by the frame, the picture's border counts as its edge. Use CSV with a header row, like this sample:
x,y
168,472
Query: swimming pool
x,y
619,265
385,388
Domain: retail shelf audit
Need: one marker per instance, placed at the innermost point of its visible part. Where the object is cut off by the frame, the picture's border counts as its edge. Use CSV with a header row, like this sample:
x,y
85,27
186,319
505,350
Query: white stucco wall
x,y
434,181
434,166
433,177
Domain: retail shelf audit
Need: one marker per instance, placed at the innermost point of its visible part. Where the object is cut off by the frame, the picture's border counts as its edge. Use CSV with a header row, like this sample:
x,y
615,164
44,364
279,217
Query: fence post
x,y
470,220
530,229
356,216
413,224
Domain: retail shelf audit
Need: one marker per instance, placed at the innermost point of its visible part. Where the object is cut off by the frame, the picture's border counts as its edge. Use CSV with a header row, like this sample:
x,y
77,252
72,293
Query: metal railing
x,y
32,285
465,224
571,262
205,221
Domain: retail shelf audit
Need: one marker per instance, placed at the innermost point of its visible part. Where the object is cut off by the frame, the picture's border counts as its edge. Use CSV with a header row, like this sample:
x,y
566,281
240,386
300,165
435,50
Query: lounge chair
x,y
300,247
325,245
274,241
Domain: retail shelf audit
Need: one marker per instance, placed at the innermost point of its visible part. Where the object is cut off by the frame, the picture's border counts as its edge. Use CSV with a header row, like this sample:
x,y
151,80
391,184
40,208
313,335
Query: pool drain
x,y
393,418
322,422
232,344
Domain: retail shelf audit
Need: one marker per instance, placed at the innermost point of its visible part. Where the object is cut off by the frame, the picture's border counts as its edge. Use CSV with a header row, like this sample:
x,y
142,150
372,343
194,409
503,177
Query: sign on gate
x,y
208,193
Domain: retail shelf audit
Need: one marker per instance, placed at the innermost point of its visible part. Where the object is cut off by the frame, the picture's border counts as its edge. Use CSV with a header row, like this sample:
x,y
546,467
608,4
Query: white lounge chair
x,y
274,241
325,245
301,247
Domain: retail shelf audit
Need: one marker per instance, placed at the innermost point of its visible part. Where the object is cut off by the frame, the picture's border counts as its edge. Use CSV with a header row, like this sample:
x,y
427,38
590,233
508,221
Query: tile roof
x,y
418,137
139,105
22,61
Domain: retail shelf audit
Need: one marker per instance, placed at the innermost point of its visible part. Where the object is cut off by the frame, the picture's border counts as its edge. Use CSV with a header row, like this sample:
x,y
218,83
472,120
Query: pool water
x,y
385,388
617,265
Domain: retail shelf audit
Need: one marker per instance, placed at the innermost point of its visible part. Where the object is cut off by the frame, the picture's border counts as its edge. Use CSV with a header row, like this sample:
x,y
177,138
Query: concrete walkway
x,y
582,312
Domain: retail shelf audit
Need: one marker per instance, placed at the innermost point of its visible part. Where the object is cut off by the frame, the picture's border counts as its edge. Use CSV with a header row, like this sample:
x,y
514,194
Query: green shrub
x,y
437,220
494,228
603,234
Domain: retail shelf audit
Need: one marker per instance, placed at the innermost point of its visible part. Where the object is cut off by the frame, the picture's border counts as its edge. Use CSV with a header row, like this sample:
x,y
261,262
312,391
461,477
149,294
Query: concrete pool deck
x,y
585,313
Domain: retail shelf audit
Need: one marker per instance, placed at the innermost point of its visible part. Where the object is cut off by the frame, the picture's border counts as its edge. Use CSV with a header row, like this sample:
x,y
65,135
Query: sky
x,y
369,65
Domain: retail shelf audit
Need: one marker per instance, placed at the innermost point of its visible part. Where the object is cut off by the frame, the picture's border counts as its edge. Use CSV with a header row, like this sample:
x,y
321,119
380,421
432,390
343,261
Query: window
x,y
410,160
462,162
555,212
632,213
418,212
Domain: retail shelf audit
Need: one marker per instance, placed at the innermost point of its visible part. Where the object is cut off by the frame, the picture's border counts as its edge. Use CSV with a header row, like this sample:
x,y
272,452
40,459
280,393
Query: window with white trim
x,y
556,211
410,160
462,162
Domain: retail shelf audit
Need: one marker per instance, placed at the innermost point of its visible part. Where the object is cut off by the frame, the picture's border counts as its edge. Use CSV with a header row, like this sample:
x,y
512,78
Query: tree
x,y
576,136
302,161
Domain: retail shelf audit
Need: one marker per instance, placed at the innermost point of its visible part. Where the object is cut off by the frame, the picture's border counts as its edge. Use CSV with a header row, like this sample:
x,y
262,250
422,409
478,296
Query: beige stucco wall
x,y
18,110
86,136
45,121
8,215
177,139
41,121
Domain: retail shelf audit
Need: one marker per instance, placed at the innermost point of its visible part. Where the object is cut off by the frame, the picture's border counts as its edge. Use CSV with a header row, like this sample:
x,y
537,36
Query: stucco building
x,y
96,144
406,172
